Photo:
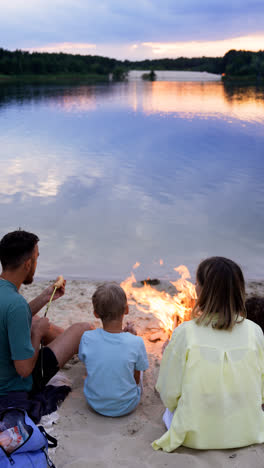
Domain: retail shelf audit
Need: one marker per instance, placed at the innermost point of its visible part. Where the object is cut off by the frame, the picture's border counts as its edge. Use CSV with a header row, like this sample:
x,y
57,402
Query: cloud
x,y
66,47
36,23
140,51
207,48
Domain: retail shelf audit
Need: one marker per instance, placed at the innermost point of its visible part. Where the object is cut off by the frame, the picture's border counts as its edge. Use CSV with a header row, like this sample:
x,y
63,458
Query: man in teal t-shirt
x,y
16,318
23,366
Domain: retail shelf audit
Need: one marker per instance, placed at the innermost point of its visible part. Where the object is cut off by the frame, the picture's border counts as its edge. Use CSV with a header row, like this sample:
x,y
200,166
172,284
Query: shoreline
x,y
54,78
44,279
76,304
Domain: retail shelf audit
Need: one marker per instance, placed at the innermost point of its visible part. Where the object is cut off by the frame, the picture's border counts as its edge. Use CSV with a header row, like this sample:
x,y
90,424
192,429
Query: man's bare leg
x,y
53,332
67,343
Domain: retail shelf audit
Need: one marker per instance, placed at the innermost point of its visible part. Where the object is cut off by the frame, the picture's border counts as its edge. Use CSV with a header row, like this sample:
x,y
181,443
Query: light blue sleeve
x,y
82,346
142,359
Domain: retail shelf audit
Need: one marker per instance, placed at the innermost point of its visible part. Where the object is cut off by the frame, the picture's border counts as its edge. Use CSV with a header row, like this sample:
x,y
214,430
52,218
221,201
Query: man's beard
x,y
28,280
30,277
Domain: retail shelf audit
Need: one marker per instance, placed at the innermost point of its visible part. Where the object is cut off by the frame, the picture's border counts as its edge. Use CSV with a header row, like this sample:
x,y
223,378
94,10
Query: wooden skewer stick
x,y
51,297
57,285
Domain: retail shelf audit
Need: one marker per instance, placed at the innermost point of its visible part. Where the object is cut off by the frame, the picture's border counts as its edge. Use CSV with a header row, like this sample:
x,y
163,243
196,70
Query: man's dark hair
x,y
16,247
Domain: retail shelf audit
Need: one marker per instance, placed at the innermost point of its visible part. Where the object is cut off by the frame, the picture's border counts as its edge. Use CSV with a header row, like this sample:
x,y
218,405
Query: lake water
x,y
113,174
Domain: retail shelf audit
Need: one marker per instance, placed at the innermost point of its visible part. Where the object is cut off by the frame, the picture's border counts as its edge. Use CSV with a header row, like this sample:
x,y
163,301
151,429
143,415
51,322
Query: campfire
x,y
170,309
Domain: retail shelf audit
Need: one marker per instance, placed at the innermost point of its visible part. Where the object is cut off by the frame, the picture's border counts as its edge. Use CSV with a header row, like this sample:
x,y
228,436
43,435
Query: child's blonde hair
x,y
221,301
109,301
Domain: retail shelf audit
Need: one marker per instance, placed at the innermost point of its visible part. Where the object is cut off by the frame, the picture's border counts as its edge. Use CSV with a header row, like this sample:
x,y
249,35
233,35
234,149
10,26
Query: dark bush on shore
x,y
243,65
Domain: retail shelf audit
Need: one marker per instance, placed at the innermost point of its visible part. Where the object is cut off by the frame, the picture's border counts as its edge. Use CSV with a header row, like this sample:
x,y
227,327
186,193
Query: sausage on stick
x,y
58,284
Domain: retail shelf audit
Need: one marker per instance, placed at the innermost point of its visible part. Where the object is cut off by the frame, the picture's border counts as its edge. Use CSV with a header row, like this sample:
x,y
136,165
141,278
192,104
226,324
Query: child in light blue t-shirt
x,y
114,357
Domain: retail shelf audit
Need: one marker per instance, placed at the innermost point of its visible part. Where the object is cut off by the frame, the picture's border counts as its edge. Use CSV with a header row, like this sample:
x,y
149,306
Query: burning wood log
x,y
151,282
158,336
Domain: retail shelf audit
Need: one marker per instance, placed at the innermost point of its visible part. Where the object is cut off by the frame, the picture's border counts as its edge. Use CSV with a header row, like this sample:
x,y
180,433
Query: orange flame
x,y
171,310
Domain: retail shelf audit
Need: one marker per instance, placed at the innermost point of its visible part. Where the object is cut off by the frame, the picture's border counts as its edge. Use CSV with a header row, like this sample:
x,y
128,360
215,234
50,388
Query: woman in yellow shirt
x,y
211,378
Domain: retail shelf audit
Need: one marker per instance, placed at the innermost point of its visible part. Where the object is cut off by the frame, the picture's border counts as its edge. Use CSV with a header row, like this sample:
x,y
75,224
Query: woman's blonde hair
x,y
221,302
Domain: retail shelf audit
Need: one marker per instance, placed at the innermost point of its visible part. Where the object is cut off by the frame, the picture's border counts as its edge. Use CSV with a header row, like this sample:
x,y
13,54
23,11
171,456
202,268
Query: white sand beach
x,y
86,439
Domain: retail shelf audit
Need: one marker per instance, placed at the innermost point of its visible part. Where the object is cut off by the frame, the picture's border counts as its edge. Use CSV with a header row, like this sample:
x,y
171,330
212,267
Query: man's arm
x,y
41,300
24,367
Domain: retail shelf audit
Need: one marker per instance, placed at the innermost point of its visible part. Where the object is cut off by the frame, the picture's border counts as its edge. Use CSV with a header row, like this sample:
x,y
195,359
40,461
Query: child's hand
x,y
130,328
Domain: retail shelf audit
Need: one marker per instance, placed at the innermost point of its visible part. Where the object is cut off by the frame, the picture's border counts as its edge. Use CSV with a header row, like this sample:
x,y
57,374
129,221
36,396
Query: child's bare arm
x,y
130,328
137,376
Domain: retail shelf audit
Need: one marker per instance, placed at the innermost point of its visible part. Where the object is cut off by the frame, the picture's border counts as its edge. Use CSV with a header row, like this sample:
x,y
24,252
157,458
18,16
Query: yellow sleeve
x,y
169,383
261,357
259,341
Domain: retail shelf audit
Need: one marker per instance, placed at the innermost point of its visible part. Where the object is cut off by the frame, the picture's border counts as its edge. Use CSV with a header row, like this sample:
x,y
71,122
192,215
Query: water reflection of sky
x,y
109,175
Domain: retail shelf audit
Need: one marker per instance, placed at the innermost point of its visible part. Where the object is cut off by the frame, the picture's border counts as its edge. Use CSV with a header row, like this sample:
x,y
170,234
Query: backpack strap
x,y
52,441
50,464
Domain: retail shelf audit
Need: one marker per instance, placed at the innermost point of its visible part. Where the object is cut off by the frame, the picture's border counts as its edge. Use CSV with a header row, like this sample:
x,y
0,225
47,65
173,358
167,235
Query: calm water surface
x,y
114,174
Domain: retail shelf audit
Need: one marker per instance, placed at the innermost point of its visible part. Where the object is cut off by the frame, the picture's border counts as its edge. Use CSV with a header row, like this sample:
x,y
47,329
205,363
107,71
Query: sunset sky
x,y
134,30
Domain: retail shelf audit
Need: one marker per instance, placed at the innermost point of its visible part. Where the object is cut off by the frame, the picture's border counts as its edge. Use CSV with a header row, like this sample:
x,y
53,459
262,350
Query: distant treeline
x,y
243,65
209,64
36,63
233,64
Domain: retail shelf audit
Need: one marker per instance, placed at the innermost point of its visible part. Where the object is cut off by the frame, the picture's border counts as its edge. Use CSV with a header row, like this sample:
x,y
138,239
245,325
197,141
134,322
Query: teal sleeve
x,y
19,331
142,360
